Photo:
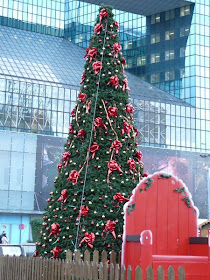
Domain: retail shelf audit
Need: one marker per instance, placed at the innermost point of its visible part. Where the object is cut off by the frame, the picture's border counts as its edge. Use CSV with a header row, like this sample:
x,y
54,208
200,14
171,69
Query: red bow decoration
x,y
123,63
98,28
59,165
98,123
82,78
116,145
113,166
93,149
88,107
36,254
55,229
63,196
126,128
83,211
136,131
71,128
129,108
81,133
73,176
138,155
82,97
116,49
116,23
90,53
73,113
97,65
112,112
120,198
66,157
114,81
103,14
110,226
132,165
89,239
56,251
125,85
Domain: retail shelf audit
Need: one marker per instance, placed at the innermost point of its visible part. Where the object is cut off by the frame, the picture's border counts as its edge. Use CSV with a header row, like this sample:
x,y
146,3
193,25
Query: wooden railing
x,y
78,267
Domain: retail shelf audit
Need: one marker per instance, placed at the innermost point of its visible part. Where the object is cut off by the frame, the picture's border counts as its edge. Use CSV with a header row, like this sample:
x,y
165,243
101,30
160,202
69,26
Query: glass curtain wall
x,y
46,16
170,50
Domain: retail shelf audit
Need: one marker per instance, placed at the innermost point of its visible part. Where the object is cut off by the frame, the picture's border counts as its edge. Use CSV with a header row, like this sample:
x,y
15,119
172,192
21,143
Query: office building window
x,y
169,55
141,61
169,35
169,75
169,15
184,11
155,18
155,78
182,52
155,57
155,38
184,31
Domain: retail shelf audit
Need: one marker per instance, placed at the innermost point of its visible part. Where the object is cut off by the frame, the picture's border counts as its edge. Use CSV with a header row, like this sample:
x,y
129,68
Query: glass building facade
x,y
168,56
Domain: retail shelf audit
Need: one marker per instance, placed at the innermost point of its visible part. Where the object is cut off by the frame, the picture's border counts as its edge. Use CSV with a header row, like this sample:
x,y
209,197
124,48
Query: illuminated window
x,y
155,78
184,31
169,35
155,58
141,61
155,18
169,55
155,38
184,11
169,75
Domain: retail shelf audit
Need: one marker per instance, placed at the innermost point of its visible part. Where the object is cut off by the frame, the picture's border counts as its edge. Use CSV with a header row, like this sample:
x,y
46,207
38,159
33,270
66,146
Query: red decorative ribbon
x,y
114,81
88,107
112,112
55,229
120,198
93,149
112,166
125,85
89,239
82,97
103,14
97,65
83,211
56,251
73,176
63,196
110,226
126,128
116,49
90,53
98,123
82,78
98,28
129,109
116,145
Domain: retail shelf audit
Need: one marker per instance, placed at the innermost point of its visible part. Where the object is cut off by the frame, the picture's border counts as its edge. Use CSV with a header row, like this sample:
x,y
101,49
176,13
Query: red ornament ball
x,y
65,221
100,41
92,223
100,198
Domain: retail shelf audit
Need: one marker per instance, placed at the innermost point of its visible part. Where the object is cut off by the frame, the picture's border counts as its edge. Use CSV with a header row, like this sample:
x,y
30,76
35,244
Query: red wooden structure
x,y
160,228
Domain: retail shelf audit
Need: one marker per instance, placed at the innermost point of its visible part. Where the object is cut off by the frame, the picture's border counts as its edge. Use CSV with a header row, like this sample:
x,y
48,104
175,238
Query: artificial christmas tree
x,y
101,164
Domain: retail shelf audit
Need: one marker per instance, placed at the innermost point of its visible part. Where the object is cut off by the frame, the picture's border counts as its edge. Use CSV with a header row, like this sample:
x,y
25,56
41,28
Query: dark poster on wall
x,y
190,167
48,155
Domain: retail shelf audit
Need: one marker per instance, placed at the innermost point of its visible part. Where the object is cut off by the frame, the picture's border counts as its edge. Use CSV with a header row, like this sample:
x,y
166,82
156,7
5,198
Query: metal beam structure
x,y
142,7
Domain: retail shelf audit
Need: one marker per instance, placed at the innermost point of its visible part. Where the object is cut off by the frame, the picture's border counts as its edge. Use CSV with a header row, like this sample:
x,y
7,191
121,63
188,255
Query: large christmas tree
x,y
101,164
